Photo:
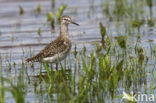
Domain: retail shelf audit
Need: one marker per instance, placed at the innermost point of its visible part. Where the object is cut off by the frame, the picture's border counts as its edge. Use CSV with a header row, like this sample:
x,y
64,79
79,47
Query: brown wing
x,y
57,46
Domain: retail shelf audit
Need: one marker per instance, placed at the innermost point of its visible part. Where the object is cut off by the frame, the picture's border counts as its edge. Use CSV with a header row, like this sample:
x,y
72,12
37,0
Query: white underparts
x,y
57,57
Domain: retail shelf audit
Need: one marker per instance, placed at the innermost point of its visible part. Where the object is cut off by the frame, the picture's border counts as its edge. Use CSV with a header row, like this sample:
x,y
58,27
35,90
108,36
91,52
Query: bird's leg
x,y
51,66
56,66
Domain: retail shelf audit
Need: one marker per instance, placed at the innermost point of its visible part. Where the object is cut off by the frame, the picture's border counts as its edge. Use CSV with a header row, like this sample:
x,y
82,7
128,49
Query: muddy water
x,y
18,33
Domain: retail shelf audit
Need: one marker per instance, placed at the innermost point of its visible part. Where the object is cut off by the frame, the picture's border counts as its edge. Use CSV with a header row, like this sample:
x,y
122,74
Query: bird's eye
x,y
65,19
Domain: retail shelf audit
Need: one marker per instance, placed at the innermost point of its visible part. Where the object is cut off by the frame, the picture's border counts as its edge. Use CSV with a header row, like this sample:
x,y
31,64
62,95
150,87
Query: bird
x,y
58,49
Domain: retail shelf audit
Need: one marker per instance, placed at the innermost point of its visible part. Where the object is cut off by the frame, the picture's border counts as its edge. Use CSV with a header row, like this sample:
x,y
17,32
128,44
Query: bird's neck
x,y
64,30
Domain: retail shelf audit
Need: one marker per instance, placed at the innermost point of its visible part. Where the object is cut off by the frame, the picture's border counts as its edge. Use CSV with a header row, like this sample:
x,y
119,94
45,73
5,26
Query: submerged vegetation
x,y
115,66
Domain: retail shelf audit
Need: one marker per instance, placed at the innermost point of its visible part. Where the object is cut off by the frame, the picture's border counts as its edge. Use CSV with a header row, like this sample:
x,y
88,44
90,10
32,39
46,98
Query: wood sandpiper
x,y
58,49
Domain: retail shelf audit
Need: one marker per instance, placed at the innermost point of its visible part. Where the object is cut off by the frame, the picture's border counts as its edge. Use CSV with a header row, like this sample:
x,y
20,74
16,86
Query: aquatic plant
x,y
51,19
53,3
150,5
39,31
103,33
60,12
75,51
2,91
106,10
12,37
120,9
16,90
138,23
21,10
121,41
38,9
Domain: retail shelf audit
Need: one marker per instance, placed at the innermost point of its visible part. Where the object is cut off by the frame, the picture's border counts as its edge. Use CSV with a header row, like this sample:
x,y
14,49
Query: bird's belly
x,y
57,57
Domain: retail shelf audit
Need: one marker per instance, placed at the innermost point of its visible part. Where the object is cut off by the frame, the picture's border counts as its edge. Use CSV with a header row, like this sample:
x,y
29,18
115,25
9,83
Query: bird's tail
x,y
29,60
34,59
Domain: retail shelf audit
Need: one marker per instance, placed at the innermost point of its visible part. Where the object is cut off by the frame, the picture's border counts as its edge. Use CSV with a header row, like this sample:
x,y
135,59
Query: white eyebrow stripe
x,y
67,19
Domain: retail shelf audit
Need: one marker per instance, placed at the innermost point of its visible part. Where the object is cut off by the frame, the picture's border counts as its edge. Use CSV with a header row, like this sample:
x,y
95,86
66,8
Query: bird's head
x,y
67,20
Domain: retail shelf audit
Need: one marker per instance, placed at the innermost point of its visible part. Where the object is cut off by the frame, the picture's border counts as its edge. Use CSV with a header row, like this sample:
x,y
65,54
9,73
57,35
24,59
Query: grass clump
x,y
16,91
98,77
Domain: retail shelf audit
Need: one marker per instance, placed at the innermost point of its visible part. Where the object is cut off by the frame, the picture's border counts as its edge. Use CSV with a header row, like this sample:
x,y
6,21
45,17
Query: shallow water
x,y
18,33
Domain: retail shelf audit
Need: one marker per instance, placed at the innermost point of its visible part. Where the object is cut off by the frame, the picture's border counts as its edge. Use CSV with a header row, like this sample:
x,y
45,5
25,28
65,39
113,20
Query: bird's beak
x,y
75,23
